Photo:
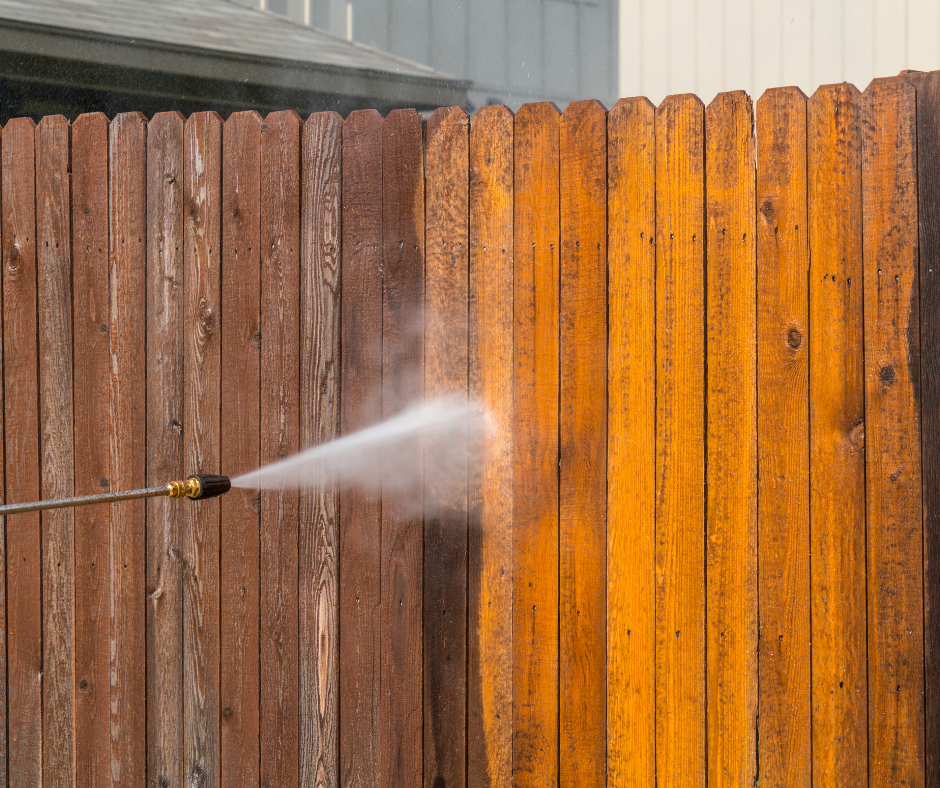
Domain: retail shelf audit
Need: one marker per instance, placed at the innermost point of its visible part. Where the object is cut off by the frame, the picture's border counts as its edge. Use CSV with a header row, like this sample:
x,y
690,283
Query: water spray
x,y
196,488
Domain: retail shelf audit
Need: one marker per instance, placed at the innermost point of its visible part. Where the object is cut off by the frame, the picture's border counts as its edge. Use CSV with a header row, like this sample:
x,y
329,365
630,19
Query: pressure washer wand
x,y
198,487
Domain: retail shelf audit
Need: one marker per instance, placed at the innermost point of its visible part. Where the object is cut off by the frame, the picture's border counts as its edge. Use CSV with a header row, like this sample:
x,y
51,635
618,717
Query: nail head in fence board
x,y
361,403
402,387
239,447
320,334
680,450
128,425
280,424
783,441
536,220
837,439
731,441
445,485
489,650
928,215
583,445
202,264
21,394
631,459
54,241
165,407
91,329
893,462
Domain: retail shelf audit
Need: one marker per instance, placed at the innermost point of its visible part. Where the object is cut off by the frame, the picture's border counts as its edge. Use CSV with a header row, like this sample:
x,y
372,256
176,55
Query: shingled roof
x,y
81,41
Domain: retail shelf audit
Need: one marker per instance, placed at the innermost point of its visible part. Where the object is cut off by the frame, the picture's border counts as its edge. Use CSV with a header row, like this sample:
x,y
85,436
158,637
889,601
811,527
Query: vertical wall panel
x,y
631,442
489,658
536,221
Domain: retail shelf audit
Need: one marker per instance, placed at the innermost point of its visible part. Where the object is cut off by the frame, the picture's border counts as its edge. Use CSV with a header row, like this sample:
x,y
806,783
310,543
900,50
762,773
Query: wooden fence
x,y
701,547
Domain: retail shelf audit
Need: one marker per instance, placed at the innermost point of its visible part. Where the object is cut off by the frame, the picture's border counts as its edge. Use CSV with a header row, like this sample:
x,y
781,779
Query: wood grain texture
x,y
731,442
4,716
489,613
280,424
783,344
928,219
54,242
360,614
631,445
892,451
165,408
90,326
445,484
239,449
202,267
837,439
21,435
320,334
127,165
402,387
536,222
680,449
582,592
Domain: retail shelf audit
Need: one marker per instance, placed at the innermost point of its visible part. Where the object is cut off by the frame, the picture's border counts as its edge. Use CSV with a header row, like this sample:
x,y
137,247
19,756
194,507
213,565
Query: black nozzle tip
x,y
211,485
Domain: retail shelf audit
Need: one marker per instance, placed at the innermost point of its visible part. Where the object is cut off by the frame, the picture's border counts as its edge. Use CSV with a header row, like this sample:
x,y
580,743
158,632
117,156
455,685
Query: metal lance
x,y
196,488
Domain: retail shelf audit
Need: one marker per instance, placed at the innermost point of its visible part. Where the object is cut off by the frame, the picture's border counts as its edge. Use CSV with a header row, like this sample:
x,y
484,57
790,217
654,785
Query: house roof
x,y
212,40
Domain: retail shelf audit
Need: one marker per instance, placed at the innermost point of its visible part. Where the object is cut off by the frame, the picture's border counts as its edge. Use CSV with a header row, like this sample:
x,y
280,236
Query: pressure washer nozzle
x,y
200,486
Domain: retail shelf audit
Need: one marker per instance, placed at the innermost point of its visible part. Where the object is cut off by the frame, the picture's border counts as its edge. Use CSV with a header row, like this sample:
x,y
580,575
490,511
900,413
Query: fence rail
x,y
700,547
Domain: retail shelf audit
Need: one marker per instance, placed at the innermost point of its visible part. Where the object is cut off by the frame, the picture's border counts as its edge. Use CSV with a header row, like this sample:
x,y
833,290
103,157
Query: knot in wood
x,y
794,338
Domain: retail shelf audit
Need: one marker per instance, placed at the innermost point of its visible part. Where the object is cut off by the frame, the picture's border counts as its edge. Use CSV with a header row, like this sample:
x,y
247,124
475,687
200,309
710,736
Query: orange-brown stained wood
x,y
239,449
202,266
783,344
318,549
536,222
54,242
583,445
361,405
280,425
489,657
21,434
90,326
680,445
731,442
165,408
631,444
401,725
127,166
837,439
892,451
445,483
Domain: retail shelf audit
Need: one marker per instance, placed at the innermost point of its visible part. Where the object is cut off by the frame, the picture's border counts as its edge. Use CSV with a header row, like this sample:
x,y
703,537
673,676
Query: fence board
x,y
489,650
928,217
536,220
402,386
731,442
837,439
361,405
631,458
783,440
90,326
582,581
202,264
445,486
21,406
680,451
280,424
165,408
893,469
239,448
127,165
320,334
54,242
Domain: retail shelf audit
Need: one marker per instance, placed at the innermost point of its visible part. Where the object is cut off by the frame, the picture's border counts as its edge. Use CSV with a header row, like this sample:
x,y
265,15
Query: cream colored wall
x,y
706,46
